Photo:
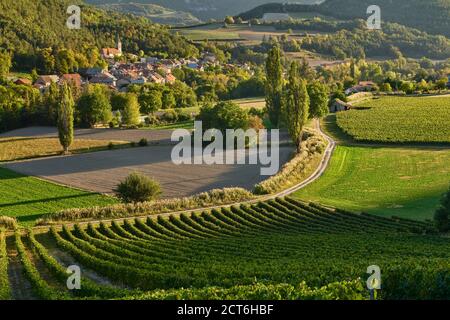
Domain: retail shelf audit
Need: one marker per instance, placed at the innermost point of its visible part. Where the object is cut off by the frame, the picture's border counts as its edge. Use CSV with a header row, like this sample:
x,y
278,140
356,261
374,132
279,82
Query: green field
x,y
383,181
399,120
200,35
28,198
267,249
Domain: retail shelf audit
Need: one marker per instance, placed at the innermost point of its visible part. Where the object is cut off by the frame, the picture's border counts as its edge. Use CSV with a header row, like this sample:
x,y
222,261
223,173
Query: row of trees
x,y
293,101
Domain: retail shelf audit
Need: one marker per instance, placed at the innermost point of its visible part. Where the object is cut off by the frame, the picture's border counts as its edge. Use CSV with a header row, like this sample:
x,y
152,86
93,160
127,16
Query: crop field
x,y
405,182
244,33
399,120
26,148
28,198
280,249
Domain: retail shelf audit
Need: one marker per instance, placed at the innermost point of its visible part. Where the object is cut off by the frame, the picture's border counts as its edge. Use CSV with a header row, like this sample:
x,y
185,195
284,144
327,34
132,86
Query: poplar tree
x,y
319,99
296,105
274,85
65,117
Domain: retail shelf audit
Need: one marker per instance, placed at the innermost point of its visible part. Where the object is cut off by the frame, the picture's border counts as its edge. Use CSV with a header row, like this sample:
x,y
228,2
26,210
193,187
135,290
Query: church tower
x,y
119,45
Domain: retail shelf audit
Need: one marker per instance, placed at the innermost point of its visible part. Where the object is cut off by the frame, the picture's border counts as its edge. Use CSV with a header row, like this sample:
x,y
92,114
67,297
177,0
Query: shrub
x,y
8,222
143,142
138,188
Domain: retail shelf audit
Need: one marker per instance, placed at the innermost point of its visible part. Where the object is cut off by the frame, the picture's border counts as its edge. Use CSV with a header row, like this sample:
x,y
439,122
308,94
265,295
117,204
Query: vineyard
x,y
399,120
278,249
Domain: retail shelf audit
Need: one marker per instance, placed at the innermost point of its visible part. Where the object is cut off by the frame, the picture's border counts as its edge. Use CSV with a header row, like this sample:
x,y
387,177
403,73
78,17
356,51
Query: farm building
x,y
339,105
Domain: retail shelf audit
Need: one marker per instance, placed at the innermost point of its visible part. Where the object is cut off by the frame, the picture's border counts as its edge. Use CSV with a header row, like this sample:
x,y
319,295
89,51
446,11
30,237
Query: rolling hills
x,y
155,13
432,16
205,9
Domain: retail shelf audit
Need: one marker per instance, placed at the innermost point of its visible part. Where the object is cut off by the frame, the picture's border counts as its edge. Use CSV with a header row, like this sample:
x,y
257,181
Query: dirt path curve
x,y
316,175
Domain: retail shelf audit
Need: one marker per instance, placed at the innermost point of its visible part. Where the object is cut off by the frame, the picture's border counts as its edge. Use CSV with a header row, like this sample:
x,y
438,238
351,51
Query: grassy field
x,y
399,120
27,148
28,198
405,182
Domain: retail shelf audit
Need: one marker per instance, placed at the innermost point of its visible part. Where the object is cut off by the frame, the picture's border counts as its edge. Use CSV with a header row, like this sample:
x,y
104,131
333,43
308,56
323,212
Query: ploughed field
x,y
279,249
399,120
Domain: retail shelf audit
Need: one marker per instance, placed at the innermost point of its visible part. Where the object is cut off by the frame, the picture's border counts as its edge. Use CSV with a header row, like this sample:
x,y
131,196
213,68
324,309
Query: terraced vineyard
x,y
279,249
399,120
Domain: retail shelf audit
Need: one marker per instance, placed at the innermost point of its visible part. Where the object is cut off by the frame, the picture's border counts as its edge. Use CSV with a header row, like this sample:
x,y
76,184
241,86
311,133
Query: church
x,y
111,53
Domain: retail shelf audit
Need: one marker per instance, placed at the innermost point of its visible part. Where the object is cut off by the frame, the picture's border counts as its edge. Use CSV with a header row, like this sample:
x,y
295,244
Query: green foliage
x,y
297,169
150,101
442,215
227,251
5,64
65,118
5,290
94,106
399,120
130,112
29,198
211,198
44,42
346,290
224,115
296,105
274,84
138,188
319,99
41,288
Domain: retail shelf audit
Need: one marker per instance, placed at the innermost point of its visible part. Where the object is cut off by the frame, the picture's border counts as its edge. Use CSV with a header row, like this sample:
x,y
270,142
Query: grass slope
x,y
384,181
399,120
28,198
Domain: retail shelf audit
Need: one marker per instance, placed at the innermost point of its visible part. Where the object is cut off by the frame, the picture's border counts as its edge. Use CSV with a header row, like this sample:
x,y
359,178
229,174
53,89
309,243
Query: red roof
x,y
23,81
73,78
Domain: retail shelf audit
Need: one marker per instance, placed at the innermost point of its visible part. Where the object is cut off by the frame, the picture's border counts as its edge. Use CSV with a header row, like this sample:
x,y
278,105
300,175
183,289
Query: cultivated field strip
x,y
279,241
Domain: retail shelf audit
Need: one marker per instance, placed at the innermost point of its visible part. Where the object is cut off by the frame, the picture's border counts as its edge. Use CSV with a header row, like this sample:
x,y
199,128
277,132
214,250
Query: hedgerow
x,y
211,198
299,168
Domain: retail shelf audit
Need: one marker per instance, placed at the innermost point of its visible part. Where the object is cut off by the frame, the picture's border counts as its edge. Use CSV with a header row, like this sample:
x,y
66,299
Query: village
x,y
118,75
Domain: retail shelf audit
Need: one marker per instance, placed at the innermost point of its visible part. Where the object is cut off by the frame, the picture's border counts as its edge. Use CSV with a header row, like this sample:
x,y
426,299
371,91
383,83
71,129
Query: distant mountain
x,y
432,16
154,12
205,9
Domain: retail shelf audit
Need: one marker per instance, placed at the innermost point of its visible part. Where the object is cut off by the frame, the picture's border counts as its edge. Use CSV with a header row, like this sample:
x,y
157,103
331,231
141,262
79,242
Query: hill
x,y
205,9
155,13
42,25
432,16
